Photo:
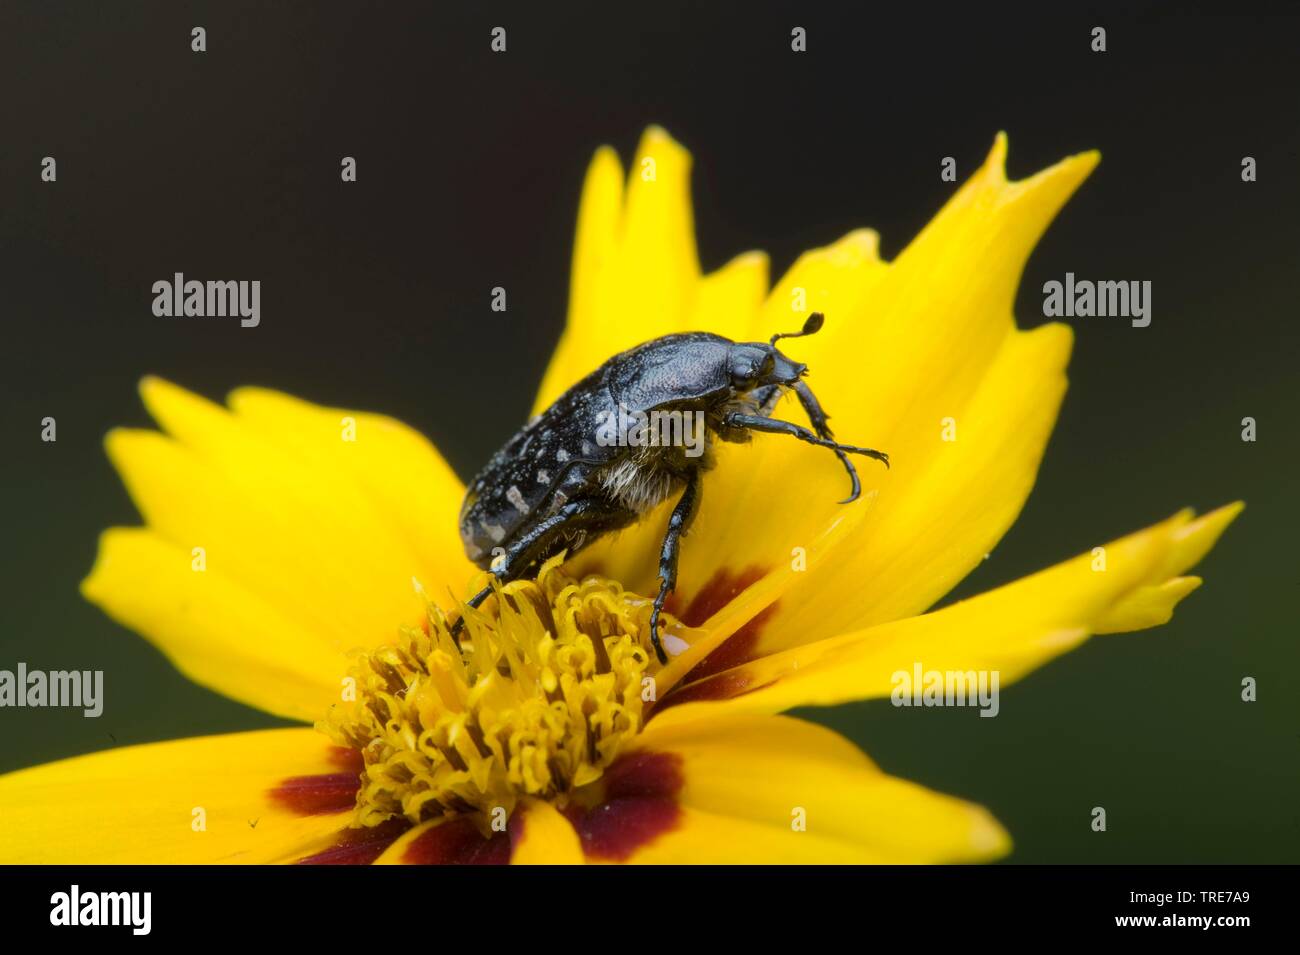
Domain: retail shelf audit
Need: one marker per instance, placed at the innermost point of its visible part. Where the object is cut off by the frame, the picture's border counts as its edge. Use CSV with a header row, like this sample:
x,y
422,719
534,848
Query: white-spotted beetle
x,y
555,486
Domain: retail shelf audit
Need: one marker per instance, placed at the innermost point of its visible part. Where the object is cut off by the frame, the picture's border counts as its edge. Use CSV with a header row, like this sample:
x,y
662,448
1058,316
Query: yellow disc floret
x,y
541,694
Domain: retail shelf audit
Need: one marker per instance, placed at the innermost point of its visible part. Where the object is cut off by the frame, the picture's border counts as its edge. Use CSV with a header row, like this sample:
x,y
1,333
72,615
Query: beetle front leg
x,y
775,426
669,554
813,409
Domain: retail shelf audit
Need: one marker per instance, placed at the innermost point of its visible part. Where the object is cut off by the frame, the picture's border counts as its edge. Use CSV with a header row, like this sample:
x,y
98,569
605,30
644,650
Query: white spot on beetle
x,y
561,455
494,531
517,499
543,477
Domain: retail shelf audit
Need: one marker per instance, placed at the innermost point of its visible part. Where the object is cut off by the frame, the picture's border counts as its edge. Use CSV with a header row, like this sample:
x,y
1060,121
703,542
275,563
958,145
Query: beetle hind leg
x,y
669,555
575,523
522,554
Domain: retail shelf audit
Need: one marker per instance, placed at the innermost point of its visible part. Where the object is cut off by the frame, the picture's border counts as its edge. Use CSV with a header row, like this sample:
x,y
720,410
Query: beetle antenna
x,y
813,324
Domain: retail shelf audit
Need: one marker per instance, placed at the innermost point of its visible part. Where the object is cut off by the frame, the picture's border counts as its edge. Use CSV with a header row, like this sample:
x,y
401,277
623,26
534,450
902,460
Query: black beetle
x,y
576,471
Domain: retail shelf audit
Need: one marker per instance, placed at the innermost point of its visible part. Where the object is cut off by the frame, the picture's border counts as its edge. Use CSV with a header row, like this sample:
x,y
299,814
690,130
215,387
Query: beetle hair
x,y
635,483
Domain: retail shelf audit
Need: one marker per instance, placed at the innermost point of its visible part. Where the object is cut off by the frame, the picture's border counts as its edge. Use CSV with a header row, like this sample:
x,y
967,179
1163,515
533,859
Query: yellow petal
x,y
658,267
537,834
931,525
202,800
730,614
1146,607
412,490
907,343
913,354
1011,630
636,273
454,841
544,837
325,516
779,790
634,265
727,301
895,550
595,252
1154,604
215,630
838,280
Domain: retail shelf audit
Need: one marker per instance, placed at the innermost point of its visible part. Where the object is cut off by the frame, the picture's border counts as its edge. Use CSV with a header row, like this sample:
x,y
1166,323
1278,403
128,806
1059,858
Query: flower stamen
x,y
546,687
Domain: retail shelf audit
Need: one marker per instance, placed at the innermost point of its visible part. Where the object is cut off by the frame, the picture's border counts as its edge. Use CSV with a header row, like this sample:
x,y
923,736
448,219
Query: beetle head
x,y
754,364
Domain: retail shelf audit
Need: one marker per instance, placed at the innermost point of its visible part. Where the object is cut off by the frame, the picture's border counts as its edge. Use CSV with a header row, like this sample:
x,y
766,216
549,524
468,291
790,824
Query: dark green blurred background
x,y
376,295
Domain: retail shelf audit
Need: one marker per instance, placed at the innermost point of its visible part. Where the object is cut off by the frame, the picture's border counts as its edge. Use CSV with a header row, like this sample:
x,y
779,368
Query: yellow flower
x,y
554,736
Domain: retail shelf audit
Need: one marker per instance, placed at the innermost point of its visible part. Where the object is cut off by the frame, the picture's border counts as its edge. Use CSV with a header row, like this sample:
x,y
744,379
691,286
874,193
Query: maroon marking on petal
x,y
360,846
722,588
644,773
737,649
640,805
457,842
516,826
723,686
314,795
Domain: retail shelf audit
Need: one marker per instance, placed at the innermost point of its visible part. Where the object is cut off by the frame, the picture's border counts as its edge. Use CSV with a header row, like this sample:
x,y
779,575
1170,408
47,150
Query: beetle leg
x,y
775,426
522,554
766,398
668,555
813,408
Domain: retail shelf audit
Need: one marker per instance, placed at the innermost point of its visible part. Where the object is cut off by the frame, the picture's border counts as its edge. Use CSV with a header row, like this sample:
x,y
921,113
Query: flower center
x,y
547,685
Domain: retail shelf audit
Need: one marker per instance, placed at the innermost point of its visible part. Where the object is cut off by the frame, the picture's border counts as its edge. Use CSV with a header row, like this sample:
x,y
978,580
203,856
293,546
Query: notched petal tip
x,y
995,164
123,444
1146,607
1055,184
1153,604
1200,535
177,410
994,169
90,587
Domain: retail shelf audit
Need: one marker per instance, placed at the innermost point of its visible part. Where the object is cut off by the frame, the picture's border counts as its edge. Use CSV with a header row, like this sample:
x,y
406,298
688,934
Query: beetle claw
x,y
654,638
